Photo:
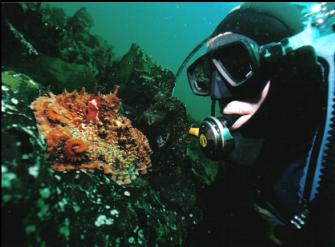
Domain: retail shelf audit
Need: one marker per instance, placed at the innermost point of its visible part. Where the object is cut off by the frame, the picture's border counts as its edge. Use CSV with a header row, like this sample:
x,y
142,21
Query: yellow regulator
x,y
214,137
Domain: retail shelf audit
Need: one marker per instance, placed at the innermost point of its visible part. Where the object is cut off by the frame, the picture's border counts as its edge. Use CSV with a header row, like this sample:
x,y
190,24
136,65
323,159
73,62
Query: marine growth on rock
x,y
86,132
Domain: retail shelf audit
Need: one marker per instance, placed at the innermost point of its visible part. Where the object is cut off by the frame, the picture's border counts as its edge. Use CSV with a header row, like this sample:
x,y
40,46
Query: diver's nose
x,y
219,89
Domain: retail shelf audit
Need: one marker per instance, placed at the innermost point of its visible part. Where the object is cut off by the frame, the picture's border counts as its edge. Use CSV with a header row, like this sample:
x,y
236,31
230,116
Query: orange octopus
x,y
87,132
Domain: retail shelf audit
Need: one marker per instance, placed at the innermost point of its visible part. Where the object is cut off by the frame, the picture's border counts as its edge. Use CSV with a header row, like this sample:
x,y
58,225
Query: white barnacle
x,y
45,193
103,220
131,240
3,169
14,101
34,171
126,193
25,157
114,212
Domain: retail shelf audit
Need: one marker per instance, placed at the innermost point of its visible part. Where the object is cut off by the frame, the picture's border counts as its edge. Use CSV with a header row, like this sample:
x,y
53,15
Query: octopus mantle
x,y
85,131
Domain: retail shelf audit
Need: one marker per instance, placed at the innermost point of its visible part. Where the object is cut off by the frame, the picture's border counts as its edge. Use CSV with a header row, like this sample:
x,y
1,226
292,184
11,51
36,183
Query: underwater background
x,y
111,165
166,31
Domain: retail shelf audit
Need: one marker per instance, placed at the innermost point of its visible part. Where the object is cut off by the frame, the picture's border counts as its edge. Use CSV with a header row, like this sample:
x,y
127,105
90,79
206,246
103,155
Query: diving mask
x,y
220,74
238,60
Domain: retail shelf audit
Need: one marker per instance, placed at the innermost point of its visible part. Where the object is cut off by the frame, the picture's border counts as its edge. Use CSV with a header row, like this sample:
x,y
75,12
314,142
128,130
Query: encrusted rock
x,y
85,131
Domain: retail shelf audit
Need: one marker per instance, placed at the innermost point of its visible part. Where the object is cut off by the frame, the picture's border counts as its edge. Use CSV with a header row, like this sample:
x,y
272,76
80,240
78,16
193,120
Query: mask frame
x,y
219,45
255,55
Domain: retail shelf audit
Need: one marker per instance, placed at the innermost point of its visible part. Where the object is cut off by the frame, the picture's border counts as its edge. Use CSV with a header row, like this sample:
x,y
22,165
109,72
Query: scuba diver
x,y
272,74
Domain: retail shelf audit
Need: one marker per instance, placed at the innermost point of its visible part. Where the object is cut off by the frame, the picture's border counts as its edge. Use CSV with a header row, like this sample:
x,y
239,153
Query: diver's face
x,y
247,145
245,108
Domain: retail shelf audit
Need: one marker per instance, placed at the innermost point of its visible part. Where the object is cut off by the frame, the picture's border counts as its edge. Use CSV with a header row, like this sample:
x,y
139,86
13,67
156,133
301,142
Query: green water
x,y
166,31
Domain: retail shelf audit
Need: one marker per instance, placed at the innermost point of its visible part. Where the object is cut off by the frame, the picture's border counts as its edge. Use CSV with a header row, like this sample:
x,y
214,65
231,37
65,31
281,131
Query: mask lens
x,y
234,62
200,76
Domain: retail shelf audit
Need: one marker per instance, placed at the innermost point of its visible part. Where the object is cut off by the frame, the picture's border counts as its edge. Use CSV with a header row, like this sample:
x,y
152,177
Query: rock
x,y
22,152
140,80
77,207
22,85
168,137
33,29
84,209
42,207
203,169
80,22
58,74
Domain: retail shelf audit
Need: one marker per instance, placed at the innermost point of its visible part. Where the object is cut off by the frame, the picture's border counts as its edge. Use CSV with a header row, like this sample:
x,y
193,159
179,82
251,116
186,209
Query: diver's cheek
x,y
245,109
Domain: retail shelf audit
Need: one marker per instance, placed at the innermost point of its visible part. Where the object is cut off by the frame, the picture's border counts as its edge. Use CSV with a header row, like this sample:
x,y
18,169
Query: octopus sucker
x,y
55,136
62,167
86,132
74,148
40,105
54,116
